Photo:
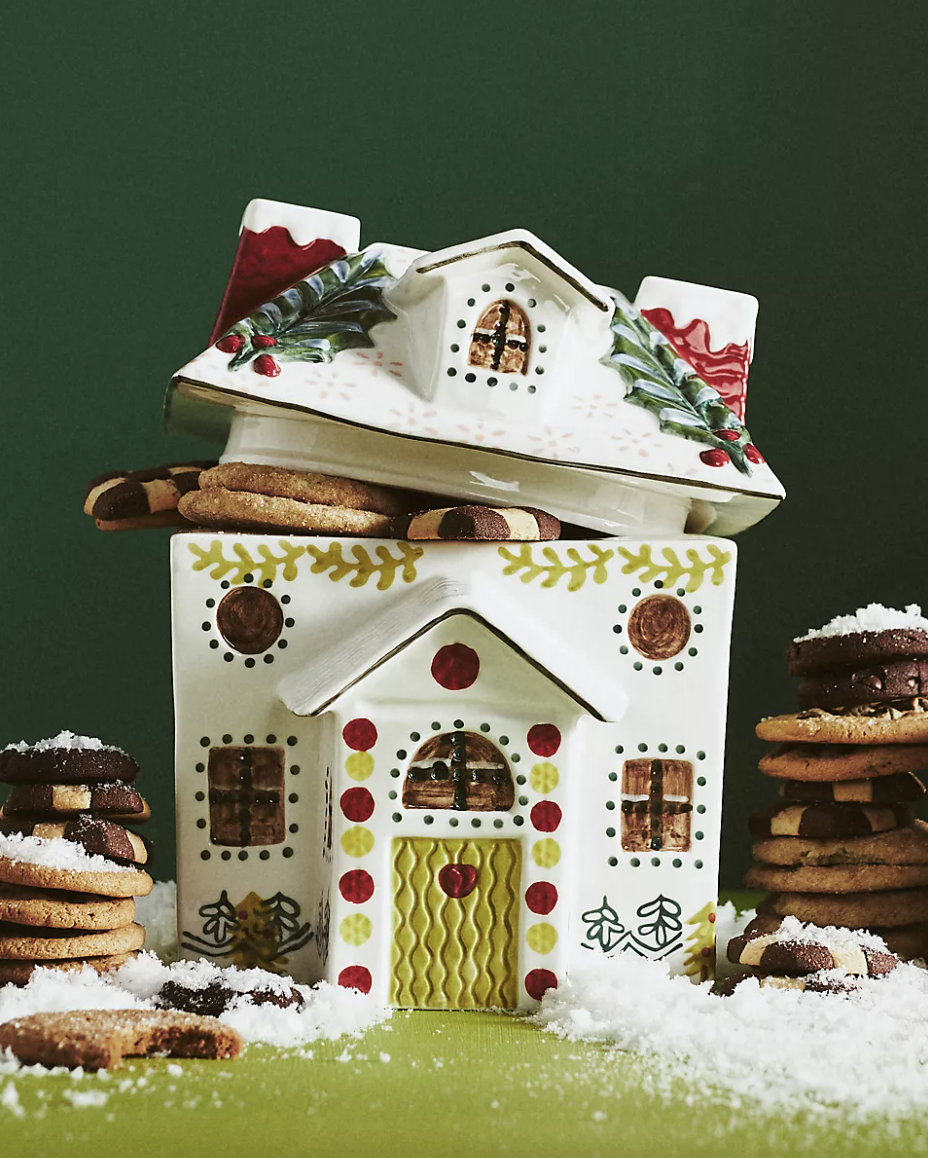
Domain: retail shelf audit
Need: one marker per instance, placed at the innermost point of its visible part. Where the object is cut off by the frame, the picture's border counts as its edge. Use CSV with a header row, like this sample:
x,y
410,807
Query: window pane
x,y
463,771
657,805
246,796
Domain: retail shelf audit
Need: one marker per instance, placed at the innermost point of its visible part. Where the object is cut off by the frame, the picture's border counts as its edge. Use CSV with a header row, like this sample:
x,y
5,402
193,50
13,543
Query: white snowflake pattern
x,y
377,363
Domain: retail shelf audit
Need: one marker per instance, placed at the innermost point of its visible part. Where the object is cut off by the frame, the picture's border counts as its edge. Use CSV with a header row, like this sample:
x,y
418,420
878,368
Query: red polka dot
x,y
541,897
546,816
538,982
361,735
544,739
457,880
357,977
356,886
357,804
455,666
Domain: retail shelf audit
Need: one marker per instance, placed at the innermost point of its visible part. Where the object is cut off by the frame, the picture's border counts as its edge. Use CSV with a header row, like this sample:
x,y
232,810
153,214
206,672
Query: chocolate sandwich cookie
x,y
214,999
20,972
851,910
875,683
822,821
902,788
832,762
25,943
776,953
824,652
119,882
477,523
897,846
98,1039
139,499
833,879
56,909
107,799
97,837
65,759
900,722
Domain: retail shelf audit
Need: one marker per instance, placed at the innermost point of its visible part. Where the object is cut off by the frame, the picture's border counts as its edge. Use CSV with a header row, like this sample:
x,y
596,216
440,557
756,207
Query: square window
x,y
246,796
657,805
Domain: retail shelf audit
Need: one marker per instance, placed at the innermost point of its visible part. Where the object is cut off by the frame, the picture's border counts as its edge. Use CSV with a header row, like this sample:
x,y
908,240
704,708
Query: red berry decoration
x,y
265,364
262,341
538,982
357,805
715,457
546,816
230,344
356,886
752,454
543,739
356,977
541,897
457,880
455,666
360,735
727,435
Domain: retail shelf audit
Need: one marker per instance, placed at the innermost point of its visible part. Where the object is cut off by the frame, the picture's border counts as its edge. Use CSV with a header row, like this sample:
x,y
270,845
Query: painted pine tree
x,y
699,962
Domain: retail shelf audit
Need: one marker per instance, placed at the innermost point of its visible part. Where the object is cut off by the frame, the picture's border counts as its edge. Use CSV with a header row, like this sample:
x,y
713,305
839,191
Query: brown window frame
x,y
657,820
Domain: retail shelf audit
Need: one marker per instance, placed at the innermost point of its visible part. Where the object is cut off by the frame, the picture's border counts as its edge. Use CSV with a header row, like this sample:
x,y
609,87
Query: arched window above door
x,y
501,339
463,771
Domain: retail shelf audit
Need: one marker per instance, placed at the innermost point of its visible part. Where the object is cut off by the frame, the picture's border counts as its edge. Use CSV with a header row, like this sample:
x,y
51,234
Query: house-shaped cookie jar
x,y
452,773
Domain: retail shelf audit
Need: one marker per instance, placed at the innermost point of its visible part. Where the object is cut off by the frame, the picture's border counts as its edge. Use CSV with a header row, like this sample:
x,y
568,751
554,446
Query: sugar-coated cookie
x,y
822,821
477,523
20,972
851,910
897,846
96,836
107,799
214,998
24,943
236,510
900,788
56,909
100,1038
855,649
65,759
831,762
905,941
899,722
776,953
305,486
856,878
124,882
875,683
810,983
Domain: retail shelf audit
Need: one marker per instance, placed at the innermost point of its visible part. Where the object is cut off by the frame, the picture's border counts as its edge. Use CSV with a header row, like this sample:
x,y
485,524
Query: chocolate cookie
x,y
830,762
875,683
899,722
20,972
811,983
822,821
214,999
95,836
98,1039
25,943
776,953
898,846
65,759
859,878
851,910
136,499
856,650
476,523
107,799
901,788
56,909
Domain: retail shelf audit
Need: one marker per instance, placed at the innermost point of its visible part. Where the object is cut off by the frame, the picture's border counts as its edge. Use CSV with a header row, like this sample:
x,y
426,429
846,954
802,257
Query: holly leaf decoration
x,y
657,378
331,311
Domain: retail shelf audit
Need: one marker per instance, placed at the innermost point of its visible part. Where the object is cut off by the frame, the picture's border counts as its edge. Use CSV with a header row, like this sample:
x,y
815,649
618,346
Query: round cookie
x,y
851,910
214,999
900,722
55,909
109,798
906,941
861,878
65,759
19,972
776,953
900,788
907,845
812,983
822,821
236,510
23,943
875,683
855,649
831,762
476,523
97,837
303,486
139,499
124,882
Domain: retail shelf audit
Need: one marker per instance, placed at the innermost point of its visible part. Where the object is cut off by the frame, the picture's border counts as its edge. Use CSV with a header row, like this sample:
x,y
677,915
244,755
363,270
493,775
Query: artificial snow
x,y
777,1051
67,740
873,617
51,852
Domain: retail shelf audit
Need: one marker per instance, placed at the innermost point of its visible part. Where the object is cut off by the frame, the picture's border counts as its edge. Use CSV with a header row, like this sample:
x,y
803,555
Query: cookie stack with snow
x,y
69,869
841,847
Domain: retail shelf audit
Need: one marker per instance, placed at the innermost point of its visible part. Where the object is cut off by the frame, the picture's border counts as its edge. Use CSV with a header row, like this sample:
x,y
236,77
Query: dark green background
x,y
776,148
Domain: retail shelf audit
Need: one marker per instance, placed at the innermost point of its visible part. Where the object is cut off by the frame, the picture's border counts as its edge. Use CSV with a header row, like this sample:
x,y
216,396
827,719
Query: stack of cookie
x,y
69,869
842,847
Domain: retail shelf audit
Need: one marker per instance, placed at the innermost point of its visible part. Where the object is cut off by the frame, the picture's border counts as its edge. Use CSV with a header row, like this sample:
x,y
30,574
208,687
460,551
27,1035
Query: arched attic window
x,y
501,339
463,771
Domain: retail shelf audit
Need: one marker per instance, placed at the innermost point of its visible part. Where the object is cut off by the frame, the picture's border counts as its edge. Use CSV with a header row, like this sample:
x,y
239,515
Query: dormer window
x,y
501,339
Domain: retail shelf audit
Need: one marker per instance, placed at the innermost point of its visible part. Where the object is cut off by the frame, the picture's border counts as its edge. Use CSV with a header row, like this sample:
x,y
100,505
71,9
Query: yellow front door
x,y
456,944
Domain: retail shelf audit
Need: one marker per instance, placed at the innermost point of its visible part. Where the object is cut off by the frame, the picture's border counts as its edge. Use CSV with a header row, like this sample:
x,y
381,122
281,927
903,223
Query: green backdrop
x,y
771,148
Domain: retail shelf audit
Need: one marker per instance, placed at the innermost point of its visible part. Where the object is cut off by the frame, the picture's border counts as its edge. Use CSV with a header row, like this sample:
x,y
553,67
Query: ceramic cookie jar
x,y
453,773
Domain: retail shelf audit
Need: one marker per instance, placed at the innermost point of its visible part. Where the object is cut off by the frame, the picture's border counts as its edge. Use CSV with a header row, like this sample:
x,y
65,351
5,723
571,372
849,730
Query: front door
x,y
456,941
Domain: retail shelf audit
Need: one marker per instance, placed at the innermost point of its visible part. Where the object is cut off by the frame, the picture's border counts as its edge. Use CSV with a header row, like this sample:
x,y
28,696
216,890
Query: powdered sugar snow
x,y
50,852
873,617
66,740
853,1057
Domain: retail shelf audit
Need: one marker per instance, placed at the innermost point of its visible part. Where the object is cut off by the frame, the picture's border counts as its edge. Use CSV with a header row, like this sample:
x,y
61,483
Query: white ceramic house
x,y
450,773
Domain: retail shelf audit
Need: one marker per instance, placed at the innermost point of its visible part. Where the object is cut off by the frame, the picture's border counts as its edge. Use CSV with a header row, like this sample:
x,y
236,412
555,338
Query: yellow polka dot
x,y
541,937
358,841
545,853
359,765
543,778
357,928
